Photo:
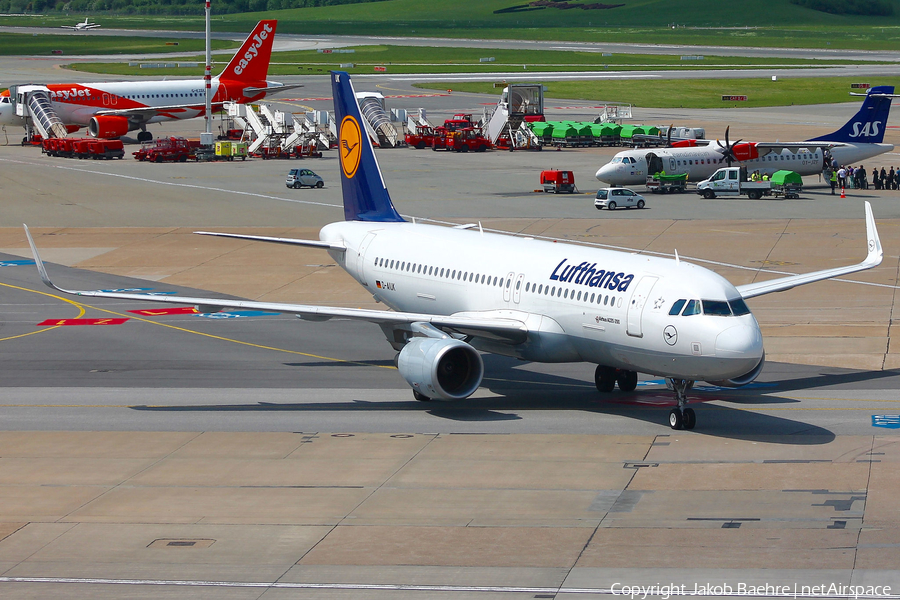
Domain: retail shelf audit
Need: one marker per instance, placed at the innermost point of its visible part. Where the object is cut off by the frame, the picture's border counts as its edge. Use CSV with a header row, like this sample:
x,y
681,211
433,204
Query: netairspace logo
x,y
823,590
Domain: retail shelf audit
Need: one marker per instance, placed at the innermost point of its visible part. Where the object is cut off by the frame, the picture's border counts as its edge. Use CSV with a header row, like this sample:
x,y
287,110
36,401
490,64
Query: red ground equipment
x,y
423,137
169,149
461,140
558,181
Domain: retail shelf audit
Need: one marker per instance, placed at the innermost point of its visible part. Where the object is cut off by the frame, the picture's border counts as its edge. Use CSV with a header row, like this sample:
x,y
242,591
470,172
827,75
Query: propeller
x,y
728,149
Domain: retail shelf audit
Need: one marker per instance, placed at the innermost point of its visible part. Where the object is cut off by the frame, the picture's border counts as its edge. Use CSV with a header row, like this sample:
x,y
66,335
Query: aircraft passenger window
x,y
518,284
508,281
692,308
391,265
482,279
579,295
739,307
540,288
605,300
553,291
566,293
442,273
489,281
430,269
716,308
559,292
453,275
676,308
612,300
527,286
592,297
402,265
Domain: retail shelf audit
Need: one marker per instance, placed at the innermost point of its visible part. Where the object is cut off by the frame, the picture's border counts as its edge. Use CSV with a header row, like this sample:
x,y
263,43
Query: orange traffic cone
x,y
842,193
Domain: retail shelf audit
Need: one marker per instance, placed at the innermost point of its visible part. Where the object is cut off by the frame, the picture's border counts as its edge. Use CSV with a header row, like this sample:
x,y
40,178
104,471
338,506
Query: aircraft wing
x,y
511,330
276,240
795,146
145,111
873,259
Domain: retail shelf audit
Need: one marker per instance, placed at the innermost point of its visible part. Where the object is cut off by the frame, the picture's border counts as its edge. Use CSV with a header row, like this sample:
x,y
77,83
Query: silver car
x,y
613,198
303,177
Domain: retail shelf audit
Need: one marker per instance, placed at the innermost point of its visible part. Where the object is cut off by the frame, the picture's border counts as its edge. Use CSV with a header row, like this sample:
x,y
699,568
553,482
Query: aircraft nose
x,y
740,341
605,172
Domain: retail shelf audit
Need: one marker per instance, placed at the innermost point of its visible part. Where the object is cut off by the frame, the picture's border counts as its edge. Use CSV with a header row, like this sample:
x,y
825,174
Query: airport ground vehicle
x,y
786,183
423,137
613,198
558,181
461,140
298,178
169,149
83,148
733,181
660,183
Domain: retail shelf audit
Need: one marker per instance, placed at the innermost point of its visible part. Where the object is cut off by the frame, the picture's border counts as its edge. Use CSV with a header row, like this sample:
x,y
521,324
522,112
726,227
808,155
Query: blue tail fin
x,y
868,125
365,196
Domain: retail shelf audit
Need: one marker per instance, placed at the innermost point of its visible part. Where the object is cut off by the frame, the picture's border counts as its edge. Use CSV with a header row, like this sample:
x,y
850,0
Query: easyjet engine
x,y
744,379
107,126
441,368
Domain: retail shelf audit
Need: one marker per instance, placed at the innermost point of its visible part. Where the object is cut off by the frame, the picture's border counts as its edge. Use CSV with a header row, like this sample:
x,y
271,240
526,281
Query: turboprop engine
x,y
106,127
441,368
744,379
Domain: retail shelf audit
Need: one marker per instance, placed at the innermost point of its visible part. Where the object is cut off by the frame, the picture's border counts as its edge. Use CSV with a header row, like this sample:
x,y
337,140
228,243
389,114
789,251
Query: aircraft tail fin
x,y
868,125
251,62
365,196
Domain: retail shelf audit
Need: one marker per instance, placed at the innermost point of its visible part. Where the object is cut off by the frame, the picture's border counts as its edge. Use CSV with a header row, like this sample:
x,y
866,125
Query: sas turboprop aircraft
x,y
860,138
456,291
82,26
112,109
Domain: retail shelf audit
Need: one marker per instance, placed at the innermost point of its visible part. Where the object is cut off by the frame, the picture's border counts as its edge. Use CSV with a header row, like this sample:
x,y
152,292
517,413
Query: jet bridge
x,y
32,103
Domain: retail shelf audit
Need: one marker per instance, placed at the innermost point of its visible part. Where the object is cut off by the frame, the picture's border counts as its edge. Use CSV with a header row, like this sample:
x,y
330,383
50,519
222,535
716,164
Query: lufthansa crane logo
x,y
350,146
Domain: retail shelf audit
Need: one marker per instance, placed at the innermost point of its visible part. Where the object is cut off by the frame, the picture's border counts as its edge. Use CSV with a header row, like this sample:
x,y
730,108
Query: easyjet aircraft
x,y
112,109
860,138
456,291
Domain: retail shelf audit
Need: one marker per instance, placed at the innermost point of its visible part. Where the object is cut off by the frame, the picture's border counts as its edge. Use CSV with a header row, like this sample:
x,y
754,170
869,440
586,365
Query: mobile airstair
x,y
32,102
508,121
268,130
377,121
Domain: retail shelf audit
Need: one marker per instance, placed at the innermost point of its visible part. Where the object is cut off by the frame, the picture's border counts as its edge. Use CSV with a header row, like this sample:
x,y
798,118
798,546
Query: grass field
x,y
697,93
13,44
408,59
757,23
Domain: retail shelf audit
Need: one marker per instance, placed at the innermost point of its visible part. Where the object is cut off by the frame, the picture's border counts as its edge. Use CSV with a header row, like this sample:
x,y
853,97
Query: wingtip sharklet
x,y
875,253
37,259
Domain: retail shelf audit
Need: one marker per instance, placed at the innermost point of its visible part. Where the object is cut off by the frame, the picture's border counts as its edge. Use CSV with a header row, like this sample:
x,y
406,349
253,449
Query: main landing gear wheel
x,y
144,136
627,380
605,378
681,417
420,396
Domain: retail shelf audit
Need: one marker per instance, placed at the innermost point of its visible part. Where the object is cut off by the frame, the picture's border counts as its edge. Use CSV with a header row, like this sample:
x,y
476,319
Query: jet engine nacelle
x,y
107,127
743,379
442,369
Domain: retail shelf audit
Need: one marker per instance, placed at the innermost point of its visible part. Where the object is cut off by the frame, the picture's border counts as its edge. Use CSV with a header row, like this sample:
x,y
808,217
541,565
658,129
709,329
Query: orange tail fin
x,y
251,63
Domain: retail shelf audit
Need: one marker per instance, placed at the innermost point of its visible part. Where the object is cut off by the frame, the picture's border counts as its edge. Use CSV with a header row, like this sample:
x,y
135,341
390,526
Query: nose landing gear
x,y
681,417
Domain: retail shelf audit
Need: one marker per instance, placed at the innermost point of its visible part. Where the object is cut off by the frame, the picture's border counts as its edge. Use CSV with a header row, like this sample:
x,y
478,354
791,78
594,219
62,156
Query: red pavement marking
x,y
156,312
59,322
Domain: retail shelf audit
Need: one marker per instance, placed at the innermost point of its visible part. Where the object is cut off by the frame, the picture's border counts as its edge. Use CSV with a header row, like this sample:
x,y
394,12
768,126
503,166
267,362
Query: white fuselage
x,y
630,166
579,303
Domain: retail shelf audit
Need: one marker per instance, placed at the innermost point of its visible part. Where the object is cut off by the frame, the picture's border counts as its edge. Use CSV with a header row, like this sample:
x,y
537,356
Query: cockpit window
x,y
676,308
616,159
739,307
692,308
716,308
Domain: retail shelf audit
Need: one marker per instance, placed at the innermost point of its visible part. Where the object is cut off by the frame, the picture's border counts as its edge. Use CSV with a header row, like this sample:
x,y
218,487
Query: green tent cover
x,y
786,177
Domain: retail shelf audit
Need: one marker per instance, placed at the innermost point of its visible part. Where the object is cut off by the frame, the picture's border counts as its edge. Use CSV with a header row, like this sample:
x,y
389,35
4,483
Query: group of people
x,y
848,176
856,178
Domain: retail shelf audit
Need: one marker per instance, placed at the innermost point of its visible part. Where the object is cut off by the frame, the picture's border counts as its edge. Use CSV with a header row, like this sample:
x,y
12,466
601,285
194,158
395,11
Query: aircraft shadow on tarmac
x,y
518,390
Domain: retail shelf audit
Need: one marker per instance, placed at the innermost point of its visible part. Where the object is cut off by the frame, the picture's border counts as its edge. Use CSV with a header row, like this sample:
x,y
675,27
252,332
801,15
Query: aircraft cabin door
x,y
672,166
361,255
507,286
636,307
517,291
